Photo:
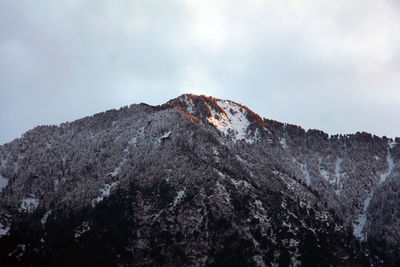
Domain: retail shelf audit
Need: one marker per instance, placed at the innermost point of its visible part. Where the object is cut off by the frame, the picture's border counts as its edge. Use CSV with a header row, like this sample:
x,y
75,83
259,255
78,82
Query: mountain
x,y
197,181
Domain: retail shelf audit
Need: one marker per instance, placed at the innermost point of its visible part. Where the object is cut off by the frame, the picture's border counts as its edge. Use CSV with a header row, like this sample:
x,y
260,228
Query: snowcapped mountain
x,y
197,181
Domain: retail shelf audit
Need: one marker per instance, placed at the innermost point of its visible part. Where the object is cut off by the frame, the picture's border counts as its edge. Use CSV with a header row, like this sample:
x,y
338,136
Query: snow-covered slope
x,y
197,181
232,121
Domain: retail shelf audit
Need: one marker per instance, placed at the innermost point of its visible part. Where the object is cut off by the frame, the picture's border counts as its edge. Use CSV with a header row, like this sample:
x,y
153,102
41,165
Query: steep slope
x,y
196,181
357,175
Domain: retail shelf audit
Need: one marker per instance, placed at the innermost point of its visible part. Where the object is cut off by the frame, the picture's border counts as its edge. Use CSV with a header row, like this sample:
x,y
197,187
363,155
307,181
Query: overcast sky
x,y
330,65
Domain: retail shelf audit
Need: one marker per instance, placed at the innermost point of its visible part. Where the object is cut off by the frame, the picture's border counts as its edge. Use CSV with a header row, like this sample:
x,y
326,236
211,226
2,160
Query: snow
x,y
221,192
16,167
83,229
139,134
392,143
20,248
105,192
216,155
220,174
117,137
283,142
45,216
324,174
306,173
4,229
3,183
16,164
29,204
243,183
64,159
190,106
3,162
386,174
158,140
338,169
120,164
239,158
359,224
179,196
233,122
166,135
133,141
258,259
117,169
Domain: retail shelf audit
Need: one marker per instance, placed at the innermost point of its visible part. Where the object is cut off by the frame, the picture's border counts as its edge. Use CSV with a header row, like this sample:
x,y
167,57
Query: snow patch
x,y
240,183
117,138
258,259
4,229
21,248
324,174
139,134
120,164
105,192
179,197
233,122
83,228
392,143
306,173
220,174
166,135
386,174
133,141
64,159
216,155
3,183
359,224
16,164
29,204
239,158
158,140
338,175
283,142
118,168
221,192
16,167
3,162
45,216
190,105
338,167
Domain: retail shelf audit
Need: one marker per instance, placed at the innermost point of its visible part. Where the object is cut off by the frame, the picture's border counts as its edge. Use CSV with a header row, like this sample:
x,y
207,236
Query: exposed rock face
x,y
197,181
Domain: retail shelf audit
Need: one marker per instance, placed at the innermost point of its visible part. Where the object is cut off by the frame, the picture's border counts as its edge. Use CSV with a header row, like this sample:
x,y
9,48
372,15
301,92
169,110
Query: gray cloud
x,y
332,66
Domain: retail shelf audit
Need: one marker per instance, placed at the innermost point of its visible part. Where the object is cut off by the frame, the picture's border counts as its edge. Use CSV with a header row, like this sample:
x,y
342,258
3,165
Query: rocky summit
x,y
197,181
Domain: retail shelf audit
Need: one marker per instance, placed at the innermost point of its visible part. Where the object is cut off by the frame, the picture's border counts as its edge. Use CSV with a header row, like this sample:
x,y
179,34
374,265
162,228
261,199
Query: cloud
x,y
330,65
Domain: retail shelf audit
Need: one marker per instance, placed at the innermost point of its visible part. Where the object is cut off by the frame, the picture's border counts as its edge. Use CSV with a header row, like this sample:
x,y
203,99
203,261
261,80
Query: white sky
x,y
330,65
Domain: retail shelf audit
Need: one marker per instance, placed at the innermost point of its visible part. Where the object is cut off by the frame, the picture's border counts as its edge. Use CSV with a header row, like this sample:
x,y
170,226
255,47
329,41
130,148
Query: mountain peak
x,y
229,117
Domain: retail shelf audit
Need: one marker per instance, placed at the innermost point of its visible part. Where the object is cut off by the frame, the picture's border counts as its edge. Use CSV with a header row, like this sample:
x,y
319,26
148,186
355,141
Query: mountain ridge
x,y
216,155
